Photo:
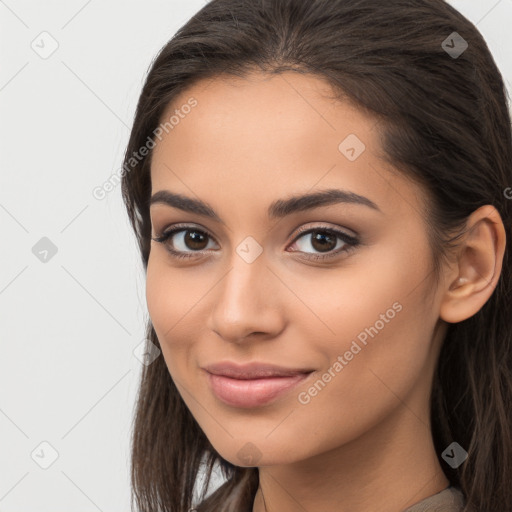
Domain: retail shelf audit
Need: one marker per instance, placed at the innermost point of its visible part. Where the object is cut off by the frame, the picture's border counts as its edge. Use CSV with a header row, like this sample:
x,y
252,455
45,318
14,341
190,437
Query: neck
x,y
389,468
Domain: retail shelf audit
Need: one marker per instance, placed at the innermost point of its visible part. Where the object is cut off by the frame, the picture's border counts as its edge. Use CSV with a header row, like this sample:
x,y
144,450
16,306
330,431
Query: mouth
x,y
252,385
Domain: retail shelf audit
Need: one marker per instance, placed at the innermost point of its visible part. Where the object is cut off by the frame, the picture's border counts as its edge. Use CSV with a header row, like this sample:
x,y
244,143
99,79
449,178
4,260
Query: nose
x,y
247,301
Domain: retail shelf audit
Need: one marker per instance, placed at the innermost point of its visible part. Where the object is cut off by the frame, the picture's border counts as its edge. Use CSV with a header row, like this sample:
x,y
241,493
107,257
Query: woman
x,y
320,192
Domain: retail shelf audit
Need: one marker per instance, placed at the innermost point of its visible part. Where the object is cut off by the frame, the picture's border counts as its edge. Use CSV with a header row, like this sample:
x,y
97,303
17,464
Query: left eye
x,y
322,240
325,241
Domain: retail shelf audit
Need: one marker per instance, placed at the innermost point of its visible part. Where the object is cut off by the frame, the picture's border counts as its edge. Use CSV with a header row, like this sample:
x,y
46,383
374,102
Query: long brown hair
x,y
443,121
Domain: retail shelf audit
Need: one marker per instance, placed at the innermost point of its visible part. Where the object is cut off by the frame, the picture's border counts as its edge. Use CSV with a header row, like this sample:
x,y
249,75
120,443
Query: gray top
x,y
449,500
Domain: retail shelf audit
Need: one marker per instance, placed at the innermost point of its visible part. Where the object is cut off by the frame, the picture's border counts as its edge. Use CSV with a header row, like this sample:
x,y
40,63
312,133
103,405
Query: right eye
x,y
184,238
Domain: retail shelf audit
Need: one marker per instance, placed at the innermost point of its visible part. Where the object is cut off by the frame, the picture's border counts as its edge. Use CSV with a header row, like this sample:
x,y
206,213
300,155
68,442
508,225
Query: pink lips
x,y
252,385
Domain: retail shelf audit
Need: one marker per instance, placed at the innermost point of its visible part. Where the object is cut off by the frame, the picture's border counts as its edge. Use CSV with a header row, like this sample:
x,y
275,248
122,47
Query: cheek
x,y
177,304
170,295
380,323
370,296
159,296
166,299
369,371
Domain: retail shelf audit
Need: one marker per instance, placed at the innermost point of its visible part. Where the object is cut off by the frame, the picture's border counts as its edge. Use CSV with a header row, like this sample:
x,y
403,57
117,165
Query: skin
x,y
364,441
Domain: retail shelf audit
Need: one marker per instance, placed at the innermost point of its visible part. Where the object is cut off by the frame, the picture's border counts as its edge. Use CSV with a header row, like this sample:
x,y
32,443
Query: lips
x,y
254,384
253,370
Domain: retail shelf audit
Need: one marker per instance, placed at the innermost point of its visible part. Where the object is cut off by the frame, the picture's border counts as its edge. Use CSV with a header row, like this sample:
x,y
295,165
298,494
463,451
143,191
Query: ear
x,y
479,260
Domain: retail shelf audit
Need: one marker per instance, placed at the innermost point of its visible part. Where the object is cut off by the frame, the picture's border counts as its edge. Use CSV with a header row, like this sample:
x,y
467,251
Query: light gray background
x,y
69,326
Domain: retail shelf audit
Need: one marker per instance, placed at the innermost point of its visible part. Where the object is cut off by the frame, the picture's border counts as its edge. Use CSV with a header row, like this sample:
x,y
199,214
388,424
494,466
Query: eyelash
x,y
350,241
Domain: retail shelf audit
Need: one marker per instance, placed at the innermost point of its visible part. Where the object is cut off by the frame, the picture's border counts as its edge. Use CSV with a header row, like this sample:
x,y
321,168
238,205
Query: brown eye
x,y
184,242
328,241
189,242
323,241
195,239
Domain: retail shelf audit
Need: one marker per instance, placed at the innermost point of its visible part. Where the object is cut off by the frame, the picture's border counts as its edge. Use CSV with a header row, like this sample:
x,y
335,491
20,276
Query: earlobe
x,y
478,268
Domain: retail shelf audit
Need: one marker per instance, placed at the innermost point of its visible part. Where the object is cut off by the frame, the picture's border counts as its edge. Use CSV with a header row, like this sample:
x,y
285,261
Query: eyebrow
x,y
278,209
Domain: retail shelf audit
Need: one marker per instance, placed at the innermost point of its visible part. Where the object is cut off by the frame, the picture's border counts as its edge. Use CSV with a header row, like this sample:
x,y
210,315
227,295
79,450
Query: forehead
x,y
262,137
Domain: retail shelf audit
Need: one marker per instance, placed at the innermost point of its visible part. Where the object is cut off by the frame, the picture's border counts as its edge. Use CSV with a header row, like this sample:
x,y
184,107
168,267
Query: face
x,y
338,289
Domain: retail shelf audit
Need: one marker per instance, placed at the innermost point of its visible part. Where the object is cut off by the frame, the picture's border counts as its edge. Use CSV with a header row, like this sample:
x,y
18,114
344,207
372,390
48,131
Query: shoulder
x,y
450,499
